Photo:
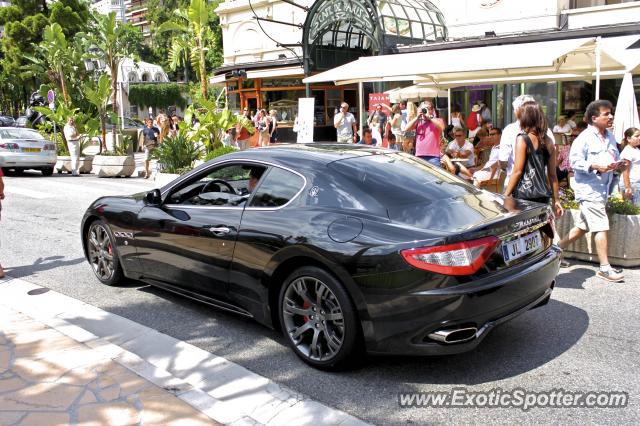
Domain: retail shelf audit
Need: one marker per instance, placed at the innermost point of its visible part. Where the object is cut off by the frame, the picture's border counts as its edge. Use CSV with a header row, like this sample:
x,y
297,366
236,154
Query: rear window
x,y
407,188
19,134
400,179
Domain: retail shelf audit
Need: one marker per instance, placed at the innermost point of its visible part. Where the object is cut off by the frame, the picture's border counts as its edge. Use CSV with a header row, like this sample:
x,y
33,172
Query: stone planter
x,y
114,165
624,249
85,164
161,179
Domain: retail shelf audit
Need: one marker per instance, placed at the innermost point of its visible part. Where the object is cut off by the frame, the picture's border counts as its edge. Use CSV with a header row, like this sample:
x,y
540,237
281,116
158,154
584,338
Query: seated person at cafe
x,y
489,170
460,148
483,132
367,138
562,126
563,167
455,168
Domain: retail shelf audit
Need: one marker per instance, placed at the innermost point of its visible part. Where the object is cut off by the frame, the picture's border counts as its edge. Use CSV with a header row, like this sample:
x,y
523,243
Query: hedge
x,y
159,95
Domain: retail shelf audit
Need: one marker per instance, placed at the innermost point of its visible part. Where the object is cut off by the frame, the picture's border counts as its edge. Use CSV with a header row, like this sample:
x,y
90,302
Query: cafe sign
x,y
333,11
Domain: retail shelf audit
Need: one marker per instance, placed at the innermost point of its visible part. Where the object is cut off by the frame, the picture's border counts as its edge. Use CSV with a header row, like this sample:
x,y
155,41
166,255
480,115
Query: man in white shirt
x,y
345,123
461,148
562,126
510,134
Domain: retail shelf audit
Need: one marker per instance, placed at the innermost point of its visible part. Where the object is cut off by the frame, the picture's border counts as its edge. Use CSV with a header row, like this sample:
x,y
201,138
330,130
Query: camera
x,y
424,111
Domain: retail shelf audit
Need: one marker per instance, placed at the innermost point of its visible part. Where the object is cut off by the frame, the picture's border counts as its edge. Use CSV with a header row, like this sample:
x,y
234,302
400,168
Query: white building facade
x,y
265,59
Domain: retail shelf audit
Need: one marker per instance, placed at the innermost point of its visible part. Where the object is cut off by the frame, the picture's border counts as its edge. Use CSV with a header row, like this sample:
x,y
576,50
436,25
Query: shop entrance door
x,y
251,102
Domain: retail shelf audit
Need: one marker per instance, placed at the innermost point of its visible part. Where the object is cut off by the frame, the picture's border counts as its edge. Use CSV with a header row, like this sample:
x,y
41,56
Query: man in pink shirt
x,y
428,133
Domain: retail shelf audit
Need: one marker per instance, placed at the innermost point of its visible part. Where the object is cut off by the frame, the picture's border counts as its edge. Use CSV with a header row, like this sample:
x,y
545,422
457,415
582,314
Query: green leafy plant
x,y
615,204
567,199
157,95
121,150
223,150
213,122
177,153
618,205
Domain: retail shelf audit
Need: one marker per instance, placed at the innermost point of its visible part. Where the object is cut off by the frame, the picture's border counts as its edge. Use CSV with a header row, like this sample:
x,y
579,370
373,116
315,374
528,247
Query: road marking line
x,y
27,192
235,394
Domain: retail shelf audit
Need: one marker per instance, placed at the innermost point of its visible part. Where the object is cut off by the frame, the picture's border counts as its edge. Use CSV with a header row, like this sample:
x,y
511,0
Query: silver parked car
x,y
22,149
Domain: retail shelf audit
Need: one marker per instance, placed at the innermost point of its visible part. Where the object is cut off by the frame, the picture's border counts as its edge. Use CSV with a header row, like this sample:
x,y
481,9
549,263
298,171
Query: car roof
x,y
298,155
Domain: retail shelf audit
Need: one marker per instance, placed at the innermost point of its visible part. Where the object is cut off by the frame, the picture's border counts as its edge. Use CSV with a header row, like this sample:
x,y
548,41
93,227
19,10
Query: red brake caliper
x,y
110,251
305,305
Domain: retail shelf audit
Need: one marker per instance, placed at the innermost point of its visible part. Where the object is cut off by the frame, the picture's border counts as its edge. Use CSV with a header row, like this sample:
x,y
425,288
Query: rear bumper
x,y
482,304
27,160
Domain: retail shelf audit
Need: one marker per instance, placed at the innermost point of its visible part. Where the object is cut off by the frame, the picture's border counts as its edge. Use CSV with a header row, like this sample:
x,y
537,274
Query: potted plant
x,y
175,156
85,162
117,162
624,222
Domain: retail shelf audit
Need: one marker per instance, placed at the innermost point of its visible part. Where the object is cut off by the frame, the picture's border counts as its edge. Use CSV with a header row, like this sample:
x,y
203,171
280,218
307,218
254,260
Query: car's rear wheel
x,y
102,254
319,320
47,171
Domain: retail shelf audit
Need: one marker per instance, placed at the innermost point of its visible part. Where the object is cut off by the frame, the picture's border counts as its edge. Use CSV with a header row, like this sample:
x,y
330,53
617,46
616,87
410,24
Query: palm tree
x,y
109,45
55,57
99,97
193,24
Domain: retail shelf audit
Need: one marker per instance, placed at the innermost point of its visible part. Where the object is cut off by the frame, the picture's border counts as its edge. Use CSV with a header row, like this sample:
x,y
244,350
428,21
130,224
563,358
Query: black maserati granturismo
x,y
344,248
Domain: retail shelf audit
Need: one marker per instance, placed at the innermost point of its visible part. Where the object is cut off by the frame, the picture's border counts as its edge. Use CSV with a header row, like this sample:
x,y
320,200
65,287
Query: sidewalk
x,y
63,361
47,378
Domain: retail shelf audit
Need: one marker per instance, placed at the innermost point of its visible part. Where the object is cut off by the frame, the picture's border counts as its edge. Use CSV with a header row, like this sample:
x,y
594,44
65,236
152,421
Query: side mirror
x,y
154,197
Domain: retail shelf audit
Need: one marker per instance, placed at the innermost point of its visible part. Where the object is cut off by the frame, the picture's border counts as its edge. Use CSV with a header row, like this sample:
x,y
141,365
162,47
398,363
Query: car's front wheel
x,y
319,319
102,254
47,171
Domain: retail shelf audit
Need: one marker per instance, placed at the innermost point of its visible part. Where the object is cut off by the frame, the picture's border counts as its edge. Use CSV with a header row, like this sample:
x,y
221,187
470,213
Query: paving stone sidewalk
x,y
47,378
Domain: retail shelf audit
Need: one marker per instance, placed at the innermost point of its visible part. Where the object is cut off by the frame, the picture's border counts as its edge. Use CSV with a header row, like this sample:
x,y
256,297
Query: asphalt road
x,y
585,339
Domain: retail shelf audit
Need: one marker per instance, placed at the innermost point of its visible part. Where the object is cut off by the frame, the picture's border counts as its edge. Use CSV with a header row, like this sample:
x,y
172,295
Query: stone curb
x,y
222,390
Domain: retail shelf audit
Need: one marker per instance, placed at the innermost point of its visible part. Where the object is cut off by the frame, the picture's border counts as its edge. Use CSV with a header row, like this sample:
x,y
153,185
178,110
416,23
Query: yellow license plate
x,y
30,149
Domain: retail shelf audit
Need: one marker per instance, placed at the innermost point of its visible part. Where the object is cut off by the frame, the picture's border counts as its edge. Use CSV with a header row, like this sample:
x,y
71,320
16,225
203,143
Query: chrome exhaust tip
x,y
458,335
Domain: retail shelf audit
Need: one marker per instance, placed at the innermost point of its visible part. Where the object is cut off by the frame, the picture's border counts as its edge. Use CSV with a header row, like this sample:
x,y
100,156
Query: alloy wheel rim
x,y
100,252
313,318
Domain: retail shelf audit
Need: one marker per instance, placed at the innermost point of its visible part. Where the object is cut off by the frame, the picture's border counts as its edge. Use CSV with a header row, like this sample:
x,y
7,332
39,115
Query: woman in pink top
x,y
428,133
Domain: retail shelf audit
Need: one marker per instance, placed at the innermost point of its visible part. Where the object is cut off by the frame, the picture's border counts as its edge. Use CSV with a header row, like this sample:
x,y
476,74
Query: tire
x,y
338,341
103,255
47,171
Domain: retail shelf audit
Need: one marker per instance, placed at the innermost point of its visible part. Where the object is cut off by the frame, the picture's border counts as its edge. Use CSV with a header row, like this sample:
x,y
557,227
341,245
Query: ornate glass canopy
x,y
338,31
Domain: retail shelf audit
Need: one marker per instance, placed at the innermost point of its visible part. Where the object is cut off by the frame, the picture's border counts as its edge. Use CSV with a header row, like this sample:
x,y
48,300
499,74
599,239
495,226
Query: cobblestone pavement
x,y
47,378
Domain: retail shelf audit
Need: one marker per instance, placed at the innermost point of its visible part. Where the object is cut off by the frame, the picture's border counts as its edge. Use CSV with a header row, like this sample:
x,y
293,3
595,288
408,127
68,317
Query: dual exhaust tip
x,y
457,335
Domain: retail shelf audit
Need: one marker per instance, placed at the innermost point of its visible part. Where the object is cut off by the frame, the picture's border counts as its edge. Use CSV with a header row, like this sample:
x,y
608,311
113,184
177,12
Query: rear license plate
x,y
524,245
30,149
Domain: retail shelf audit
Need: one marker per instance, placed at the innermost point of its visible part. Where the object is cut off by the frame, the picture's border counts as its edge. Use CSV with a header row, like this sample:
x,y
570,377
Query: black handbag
x,y
533,182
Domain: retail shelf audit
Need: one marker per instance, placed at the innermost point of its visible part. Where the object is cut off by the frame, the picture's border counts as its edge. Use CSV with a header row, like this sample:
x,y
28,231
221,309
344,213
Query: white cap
x,y
517,102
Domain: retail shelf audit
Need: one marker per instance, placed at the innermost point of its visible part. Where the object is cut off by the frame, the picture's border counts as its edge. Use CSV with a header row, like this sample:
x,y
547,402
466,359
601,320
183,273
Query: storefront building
x,y
265,59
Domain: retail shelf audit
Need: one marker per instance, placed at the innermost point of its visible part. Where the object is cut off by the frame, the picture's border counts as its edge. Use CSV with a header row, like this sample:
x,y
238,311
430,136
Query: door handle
x,y
220,230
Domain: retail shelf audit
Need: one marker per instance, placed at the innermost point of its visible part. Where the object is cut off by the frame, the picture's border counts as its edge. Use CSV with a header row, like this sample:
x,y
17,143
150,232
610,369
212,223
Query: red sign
x,y
378,98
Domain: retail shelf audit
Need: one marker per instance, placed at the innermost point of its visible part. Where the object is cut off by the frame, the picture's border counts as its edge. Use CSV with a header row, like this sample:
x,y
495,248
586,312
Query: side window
x,y
224,186
277,188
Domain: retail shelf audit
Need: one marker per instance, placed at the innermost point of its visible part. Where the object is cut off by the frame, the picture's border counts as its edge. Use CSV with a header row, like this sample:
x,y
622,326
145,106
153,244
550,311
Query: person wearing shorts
x,y
594,157
151,134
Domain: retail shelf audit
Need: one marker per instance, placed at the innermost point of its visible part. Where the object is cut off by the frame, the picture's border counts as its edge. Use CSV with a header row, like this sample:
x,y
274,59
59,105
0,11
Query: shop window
x,y
285,102
233,100
578,4
248,84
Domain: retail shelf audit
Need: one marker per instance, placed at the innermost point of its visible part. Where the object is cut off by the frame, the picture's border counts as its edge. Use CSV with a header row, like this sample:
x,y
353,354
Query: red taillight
x,y
463,258
49,147
10,146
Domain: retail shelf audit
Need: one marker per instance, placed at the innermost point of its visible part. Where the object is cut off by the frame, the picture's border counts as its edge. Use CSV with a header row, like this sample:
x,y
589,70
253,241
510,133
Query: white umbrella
x,y
626,108
415,93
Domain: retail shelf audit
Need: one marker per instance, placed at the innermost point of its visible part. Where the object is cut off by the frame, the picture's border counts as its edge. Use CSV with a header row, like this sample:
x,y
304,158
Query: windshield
x,y
17,133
